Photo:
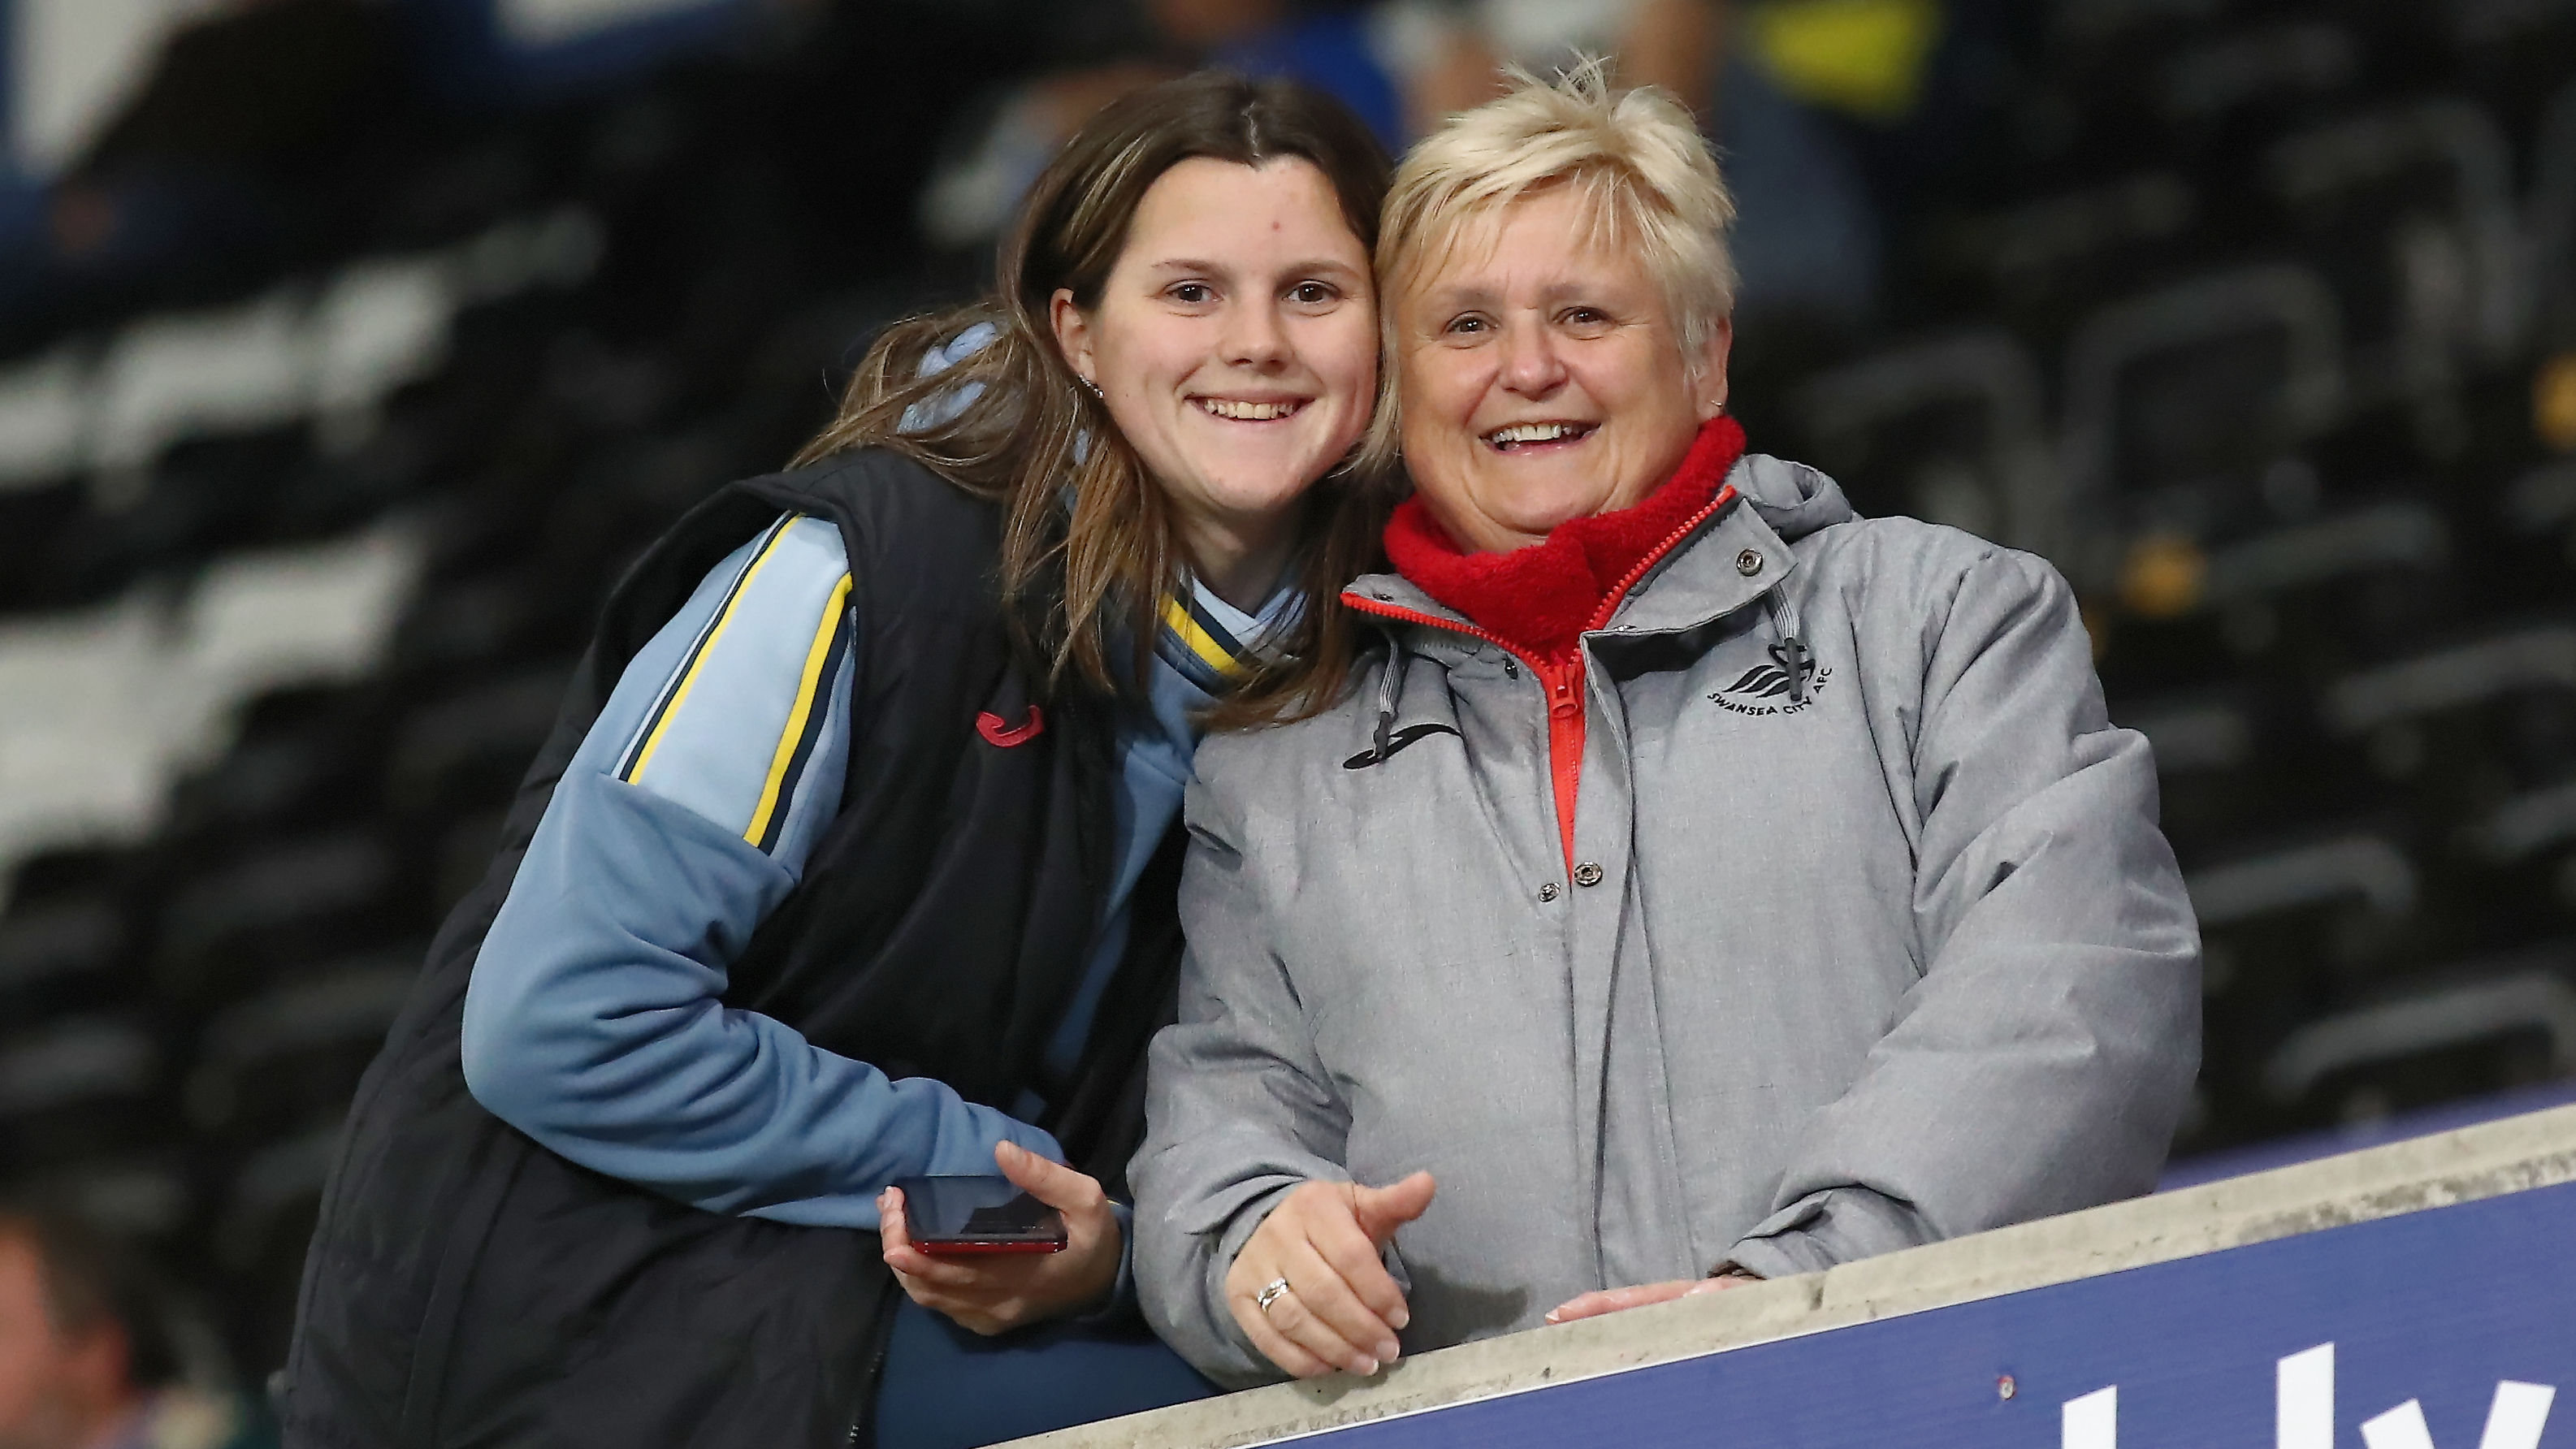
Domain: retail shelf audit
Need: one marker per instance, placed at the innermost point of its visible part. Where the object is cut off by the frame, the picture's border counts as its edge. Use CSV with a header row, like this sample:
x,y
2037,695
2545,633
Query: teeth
x,y
1532,433
1248,412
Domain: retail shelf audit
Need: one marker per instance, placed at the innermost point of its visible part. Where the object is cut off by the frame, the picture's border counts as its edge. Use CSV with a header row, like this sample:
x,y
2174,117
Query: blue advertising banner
x,y
2453,1328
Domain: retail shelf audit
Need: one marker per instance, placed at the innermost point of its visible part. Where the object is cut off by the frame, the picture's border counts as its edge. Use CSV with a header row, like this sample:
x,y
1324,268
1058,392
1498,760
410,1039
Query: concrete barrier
x,y
2329,1202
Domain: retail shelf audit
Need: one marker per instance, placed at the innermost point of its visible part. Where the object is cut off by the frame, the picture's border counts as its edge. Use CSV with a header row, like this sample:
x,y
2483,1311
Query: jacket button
x,y
1587,874
1547,892
1748,563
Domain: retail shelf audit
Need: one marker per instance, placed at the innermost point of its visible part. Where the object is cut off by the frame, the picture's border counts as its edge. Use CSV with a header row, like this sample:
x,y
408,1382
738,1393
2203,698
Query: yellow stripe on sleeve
x,y
809,688
680,696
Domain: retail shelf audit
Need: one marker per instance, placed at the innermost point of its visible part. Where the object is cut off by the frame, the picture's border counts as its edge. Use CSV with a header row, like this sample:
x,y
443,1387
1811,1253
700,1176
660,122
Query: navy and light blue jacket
x,y
595,1021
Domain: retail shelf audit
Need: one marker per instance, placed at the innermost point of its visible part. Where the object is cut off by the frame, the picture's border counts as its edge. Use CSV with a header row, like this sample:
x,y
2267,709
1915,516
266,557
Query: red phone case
x,y
952,1248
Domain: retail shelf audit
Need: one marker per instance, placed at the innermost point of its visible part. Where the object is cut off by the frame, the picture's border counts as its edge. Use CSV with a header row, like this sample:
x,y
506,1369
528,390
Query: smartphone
x,y
952,1215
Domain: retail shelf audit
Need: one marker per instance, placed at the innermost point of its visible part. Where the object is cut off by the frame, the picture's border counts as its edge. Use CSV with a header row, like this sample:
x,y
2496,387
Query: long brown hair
x,y
1010,422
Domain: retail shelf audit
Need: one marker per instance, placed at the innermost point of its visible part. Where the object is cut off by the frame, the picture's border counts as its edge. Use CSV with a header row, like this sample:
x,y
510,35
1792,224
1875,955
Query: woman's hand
x,y
994,1294
1611,1300
1341,1308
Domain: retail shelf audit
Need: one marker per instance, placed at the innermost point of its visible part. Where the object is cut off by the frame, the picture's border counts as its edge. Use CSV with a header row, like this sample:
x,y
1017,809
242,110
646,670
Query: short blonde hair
x,y
1639,160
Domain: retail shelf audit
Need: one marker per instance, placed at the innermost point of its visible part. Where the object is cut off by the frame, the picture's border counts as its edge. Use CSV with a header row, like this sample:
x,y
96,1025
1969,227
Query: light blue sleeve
x,y
594,1021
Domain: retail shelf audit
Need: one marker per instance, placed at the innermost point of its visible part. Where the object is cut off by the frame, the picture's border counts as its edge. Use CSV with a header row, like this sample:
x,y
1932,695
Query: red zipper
x,y
1673,540
1563,683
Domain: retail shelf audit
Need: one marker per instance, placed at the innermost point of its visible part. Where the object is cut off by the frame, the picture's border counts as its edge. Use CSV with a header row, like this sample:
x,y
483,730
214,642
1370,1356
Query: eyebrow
x,y
1459,295
1473,294
1312,267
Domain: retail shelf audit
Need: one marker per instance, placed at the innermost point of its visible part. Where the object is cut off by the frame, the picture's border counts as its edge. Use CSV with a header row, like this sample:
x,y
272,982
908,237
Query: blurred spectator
x,y
1367,54
237,141
1452,49
973,193
86,1356
1808,239
1340,49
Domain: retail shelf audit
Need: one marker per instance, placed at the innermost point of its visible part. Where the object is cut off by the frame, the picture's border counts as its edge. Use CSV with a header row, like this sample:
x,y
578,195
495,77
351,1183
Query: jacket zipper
x,y
1562,685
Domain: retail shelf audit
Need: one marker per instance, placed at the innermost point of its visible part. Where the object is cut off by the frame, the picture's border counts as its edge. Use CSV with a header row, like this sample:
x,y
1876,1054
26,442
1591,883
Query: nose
x,y
1253,337
1531,366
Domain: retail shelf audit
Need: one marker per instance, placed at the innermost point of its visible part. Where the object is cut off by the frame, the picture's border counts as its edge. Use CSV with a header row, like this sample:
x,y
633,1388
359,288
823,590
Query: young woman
x,y
854,854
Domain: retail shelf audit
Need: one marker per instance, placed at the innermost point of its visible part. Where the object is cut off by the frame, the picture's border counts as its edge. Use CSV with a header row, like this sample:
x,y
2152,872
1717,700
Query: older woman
x,y
1703,882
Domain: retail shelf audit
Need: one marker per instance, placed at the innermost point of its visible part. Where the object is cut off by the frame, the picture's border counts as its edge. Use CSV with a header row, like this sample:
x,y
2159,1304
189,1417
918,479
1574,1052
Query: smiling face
x,y
1235,345
1543,378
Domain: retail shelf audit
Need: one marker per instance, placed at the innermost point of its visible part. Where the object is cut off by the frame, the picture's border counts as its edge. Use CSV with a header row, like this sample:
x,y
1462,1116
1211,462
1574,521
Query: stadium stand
x,y
2251,328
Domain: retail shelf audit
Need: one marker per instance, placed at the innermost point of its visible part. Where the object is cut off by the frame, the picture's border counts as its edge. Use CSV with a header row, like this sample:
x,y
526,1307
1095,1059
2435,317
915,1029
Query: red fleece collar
x,y
1542,597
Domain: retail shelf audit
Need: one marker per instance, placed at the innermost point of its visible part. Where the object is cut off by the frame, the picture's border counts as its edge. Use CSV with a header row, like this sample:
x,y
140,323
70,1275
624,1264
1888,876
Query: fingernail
x,y
1401,1319
1552,1318
1365,1367
1387,1351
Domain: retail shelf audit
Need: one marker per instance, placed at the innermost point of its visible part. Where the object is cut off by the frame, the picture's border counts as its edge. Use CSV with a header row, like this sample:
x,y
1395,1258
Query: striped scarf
x,y
1202,650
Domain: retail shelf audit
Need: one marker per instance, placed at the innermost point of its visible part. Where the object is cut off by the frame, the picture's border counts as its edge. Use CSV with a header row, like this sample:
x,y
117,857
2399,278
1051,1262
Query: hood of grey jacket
x,y
1865,935
1793,499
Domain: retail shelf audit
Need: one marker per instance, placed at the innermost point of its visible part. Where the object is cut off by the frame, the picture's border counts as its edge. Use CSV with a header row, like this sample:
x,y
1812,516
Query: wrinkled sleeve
x,y
595,1019
2041,1061
1237,1108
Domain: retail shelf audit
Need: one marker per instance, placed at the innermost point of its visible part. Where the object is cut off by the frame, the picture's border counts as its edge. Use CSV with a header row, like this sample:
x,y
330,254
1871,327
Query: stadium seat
x,y
2233,765
304,758
470,748
2291,930
62,956
2470,674
44,419
268,913
39,521
2217,88
281,1061
2509,1024
2553,218
2044,260
2187,395
78,1087
1948,430
2360,868
2411,214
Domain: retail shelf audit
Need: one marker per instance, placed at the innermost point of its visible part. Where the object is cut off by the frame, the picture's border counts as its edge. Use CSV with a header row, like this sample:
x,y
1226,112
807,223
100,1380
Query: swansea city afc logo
x,y
1786,683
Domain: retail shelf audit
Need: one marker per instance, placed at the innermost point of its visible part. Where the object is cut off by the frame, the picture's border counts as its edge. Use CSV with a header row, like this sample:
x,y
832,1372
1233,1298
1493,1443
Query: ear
x,y
1072,334
1712,369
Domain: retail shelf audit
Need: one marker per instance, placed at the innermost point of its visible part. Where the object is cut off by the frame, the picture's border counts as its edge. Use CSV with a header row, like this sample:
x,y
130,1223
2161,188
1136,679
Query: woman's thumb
x,y
1052,1183
1381,1210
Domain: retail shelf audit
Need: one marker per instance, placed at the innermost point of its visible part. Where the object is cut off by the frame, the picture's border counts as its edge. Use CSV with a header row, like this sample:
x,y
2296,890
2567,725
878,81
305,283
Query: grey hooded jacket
x,y
1867,938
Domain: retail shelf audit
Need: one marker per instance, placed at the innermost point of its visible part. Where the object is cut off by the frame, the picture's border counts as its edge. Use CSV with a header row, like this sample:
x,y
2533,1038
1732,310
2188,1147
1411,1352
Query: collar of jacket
x,y
1724,557
1702,578
1541,598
